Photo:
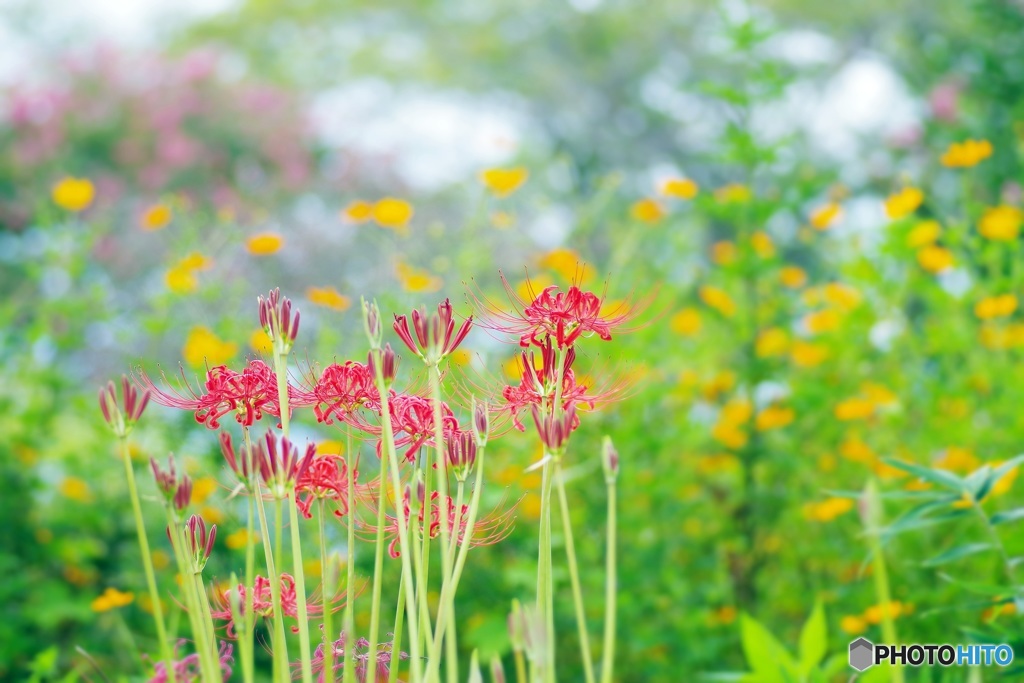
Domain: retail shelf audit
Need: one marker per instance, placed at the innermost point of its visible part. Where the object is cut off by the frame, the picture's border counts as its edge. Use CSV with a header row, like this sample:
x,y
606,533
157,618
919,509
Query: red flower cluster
x,y
262,602
326,477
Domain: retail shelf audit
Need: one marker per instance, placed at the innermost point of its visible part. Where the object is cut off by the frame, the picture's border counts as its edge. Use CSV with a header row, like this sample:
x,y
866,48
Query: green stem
x,y
349,673
574,575
396,642
203,600
300,590
545,590
188,587
418,542
440,462
328,590
610,589
279,642
882,591
247,642
147,558
378,563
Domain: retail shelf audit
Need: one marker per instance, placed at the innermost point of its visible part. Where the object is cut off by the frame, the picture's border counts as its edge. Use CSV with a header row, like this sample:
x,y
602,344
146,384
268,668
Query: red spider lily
x,y
554,430
199,542
187,670
361,655
413,417
262,602
436,337
487,530
461,447
342,390
242,467
277,321
176,492
280,463
561,316
122,421
249,393
325,478
388,364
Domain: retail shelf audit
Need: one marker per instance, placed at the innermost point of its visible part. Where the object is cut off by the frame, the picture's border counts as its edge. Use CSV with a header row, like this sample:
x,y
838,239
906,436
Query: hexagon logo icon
x,y
861,654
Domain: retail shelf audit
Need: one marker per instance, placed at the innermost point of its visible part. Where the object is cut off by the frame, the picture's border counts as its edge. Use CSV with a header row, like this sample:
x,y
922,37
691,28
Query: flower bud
x,y
461,447
278,321
610,460
199,541
481,422
371,324
120,418
388,365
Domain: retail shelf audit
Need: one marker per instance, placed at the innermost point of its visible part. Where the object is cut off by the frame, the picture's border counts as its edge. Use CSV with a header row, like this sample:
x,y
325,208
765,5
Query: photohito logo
x,y
865,654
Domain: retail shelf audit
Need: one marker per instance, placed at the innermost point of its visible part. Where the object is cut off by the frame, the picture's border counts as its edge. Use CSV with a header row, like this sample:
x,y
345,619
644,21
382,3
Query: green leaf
x,y
941,477
974,586
979,482
764,653
1003,469
813,640
957,553
1007,516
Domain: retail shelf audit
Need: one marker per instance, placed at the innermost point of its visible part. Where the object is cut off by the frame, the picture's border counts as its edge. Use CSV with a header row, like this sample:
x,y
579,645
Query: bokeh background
x,y
823,291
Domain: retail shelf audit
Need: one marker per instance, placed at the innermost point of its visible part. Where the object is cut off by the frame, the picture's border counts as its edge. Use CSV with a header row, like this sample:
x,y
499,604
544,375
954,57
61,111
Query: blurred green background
x,y
163,163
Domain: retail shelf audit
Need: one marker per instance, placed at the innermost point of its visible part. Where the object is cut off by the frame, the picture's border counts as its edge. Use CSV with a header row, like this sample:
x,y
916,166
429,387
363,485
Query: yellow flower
x,y
853,448
529,289
996,306
647,211
328,297
828,509
75,489
825,320
392,213
878,394
202,489
111,599
903,203
728,435
723,253
330,448
357,212
723,462
875,613
1001,223
204,347
161,560
792,277
260,342
156,217
264,244
924,234
935,259
733,193
762,244
240,539
717,299
774,417
1005,482
680,188
686,322
853,625
568,264
181,280
807,354
417,280
959,460
823,217
722,382
73,194
966,154
736,412
771,342
195,261
503,181
843,297
856,408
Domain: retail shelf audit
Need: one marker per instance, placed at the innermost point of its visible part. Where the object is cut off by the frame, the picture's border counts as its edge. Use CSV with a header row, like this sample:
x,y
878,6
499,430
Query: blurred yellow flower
x,y
161,560
959,460
966,154
996,306
903,203
529,289
181,280
717,299
729,435
823,217
853,625
807,354
737,411
111,599
924,234
722,462
259,341
935,259
828,509
825,320
723,253
1001,223
503,181
568,264
841,296
856,408
771,342
239,539
1005,483
686,322
793,277
762,244
853,448
156,217
679,188
264,244
647,211
417,280
733,193
203,488
390,212
722,382
875,613
195,261
75,489
202,347
357,212
330,448
774,417
73,194
328,297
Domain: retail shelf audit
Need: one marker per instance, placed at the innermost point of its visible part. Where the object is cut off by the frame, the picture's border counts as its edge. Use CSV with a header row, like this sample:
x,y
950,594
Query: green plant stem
x,y
278,531
418,541
610,589
881,575
378,562
147,558
300,590
396,642
998,543
279,643
328,591
574,574
520,667
348,673
188,587
203,600
247,641
441,463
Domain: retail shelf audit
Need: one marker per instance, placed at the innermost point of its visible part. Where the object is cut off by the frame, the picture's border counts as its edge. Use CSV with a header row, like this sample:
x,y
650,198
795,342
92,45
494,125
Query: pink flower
x,y
436,337
326,477
341,391
186,669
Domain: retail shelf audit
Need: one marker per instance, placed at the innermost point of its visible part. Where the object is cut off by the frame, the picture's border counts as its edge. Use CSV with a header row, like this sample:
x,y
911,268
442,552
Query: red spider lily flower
x,y
388,364
554,430
436,337
177,492
277,320
341,391
249,393
325,478
187,669
242,467
199,541
361,654
461,447
488,530
263,603
122,421
281,464
481,423
413,417
561,316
